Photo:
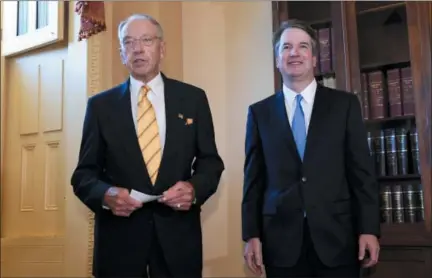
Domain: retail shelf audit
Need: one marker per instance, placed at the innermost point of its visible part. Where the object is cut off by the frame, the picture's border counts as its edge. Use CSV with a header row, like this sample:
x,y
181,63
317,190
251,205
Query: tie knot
x,y
145,90
299,98
143,93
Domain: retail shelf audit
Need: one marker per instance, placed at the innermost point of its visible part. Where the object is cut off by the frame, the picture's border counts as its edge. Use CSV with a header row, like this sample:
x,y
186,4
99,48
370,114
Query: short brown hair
x,y
295,23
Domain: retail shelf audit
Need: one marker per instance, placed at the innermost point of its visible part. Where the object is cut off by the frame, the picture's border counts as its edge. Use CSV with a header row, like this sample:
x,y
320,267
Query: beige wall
x,y
223,47
229,55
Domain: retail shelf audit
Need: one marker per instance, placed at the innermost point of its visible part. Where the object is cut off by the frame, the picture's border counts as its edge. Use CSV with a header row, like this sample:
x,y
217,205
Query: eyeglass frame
x,y
144,40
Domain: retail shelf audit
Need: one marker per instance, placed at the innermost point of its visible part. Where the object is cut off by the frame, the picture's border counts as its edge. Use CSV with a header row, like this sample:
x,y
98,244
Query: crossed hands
x,y
180,197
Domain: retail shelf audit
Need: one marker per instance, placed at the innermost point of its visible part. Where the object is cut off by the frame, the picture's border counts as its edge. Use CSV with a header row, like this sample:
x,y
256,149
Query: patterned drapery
x,y
92,15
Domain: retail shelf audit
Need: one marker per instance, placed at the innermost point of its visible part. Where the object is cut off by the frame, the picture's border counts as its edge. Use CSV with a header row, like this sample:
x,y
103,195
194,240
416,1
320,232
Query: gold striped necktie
x,y
148,134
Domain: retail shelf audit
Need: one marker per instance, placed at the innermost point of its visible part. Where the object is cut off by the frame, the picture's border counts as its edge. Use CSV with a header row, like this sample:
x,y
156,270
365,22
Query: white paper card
x,y
142,197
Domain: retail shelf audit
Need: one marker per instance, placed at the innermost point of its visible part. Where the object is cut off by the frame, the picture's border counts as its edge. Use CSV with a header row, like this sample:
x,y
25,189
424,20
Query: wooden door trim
x,y
2,109
419,26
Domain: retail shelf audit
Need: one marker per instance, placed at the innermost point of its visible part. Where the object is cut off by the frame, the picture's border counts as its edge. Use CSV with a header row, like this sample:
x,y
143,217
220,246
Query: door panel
x,y
32,211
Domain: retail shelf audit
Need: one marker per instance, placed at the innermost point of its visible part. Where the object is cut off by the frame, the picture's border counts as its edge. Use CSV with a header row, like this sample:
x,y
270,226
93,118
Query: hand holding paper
x,y
118,200
142,197
180,196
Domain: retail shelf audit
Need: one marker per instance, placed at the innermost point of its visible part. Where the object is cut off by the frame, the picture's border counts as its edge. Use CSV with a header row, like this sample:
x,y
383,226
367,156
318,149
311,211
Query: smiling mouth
x,y
295,63
139,61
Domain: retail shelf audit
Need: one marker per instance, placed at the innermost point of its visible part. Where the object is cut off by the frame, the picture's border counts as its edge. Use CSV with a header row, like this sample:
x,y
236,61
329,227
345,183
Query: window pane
x,y
42,14
23,13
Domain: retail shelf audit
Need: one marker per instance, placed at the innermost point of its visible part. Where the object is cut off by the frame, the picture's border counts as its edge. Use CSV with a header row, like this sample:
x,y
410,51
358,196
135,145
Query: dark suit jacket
x,y
110,155
334,184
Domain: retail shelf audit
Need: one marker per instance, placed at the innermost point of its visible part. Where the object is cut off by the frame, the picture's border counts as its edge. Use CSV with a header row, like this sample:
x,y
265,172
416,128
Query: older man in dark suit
x,y
154,135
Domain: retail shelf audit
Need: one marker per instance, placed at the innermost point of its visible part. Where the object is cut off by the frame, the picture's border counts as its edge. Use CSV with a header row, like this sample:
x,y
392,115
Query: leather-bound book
x,y
394,92
371,144
380,153
397,203
386,204
333,50
407,91
325,50
409,203
419,199
402,150
365,96
414,149
391,152
317,70
378,103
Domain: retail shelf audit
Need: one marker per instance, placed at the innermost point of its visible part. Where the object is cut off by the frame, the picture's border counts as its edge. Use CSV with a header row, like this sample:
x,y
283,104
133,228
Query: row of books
x,y
395,151
387,93
402,203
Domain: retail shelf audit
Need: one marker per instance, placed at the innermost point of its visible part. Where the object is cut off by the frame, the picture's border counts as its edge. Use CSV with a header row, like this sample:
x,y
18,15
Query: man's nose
x,y
293,51
138,48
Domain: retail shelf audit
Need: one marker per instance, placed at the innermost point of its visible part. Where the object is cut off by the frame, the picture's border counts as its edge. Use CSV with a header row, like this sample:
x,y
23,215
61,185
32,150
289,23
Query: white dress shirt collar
x,y
154,84
308,93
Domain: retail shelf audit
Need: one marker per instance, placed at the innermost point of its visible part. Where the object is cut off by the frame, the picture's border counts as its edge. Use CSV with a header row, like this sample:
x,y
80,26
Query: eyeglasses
x,y
130,43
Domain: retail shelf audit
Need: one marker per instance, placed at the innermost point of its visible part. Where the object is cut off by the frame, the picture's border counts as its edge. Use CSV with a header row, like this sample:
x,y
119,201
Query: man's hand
x,y
120,202
253,256
370,243
180,196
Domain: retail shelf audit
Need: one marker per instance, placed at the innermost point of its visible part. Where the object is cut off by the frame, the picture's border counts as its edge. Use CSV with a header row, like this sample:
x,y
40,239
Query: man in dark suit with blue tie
x,y
310,202
151,134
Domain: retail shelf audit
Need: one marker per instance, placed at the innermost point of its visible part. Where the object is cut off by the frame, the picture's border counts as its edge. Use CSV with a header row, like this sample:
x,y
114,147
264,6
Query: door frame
x,y
2,107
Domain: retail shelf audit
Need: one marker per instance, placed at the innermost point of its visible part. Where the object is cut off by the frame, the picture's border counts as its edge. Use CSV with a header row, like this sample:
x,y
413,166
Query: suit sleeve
x,y
208,165
360,170
85,179
254,178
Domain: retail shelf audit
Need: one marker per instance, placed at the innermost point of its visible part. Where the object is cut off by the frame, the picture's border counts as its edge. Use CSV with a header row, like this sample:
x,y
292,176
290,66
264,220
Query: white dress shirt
x,y
157,99
307,102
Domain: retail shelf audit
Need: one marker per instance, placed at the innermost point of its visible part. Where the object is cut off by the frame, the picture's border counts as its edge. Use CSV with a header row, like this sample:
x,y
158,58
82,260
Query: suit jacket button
x,y
303,179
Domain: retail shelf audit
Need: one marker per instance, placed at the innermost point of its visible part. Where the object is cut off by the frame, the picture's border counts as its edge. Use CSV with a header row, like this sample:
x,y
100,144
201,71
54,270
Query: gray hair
x,y
133,17
294,23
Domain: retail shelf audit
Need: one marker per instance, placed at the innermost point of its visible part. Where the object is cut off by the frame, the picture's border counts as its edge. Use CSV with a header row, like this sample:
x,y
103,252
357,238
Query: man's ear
x,y
314,61
122,56
277,62
162,50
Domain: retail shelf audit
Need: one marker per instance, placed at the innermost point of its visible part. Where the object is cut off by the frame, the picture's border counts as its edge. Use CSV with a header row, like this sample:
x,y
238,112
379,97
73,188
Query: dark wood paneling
x,y
346,45
396,262
393,46
405,235
419,30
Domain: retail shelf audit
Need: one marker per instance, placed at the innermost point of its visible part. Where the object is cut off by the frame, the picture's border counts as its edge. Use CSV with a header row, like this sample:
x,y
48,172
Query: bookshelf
x,y
381,51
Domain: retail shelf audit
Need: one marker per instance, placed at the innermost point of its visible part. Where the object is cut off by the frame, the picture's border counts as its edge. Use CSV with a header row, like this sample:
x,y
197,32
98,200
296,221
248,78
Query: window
x,y
42,14
29,25
23,14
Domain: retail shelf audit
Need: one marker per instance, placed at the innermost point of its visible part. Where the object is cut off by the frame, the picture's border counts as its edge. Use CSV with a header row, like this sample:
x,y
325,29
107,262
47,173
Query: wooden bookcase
x,y
381,51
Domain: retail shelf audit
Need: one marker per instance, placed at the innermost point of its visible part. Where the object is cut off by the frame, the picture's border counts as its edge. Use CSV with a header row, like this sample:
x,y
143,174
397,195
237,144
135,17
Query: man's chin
x,y
141,72
295,75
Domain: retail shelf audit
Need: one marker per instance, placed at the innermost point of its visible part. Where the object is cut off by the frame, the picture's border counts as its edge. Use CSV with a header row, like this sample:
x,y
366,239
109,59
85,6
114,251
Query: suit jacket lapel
x,y
321,107
173,106
284,126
